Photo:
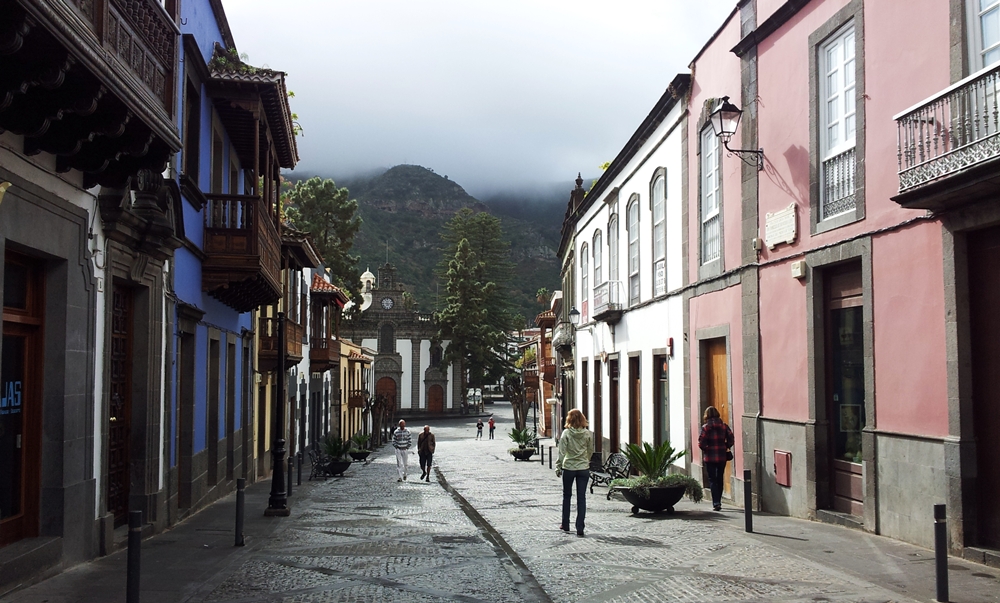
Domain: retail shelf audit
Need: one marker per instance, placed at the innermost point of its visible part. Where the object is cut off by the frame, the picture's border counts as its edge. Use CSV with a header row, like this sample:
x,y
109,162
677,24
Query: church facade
x,y
407,366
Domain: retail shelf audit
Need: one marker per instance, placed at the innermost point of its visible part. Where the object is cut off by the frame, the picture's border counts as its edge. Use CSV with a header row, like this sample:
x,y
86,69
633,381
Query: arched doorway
x,y
435,399
386,386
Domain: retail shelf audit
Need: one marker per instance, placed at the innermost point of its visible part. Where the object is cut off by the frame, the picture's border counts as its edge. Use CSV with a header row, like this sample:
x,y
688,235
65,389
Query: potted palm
x,y
655,489
359,446
335,450
523,438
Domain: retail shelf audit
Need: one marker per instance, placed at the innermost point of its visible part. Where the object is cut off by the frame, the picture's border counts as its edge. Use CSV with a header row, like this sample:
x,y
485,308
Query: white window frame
x,y
974,19
837,63
634,259
584,283
597,253
613,248
658,208
711,203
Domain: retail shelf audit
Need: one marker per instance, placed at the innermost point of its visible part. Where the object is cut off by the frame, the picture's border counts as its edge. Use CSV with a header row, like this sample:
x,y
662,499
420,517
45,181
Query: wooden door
x,y
585,381
120,407
386,387
661,409
615,418
598,418
435,399
984,299
845,379
20,399
634,402
717,386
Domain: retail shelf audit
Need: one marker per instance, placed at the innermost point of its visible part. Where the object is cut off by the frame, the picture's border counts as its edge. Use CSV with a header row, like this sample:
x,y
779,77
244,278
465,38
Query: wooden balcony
x,y
948,146
356,398
267,353
324,354
547,370
530,376
92,83
242,267
607,302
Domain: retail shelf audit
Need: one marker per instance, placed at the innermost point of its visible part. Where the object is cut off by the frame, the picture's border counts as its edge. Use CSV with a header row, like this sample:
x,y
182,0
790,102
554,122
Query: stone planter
x,y
522,454
338,467
360,455
661,498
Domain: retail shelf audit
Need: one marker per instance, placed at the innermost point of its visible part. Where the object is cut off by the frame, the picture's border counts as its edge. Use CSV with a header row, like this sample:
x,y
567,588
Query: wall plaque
x,y
780,227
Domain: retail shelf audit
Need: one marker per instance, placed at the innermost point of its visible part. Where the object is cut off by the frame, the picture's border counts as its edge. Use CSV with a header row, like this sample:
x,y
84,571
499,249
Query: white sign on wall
x,y
780,227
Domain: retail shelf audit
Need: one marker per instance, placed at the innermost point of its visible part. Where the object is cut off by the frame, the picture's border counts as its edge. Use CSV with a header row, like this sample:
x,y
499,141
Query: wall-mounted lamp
x,y
725,120
574,316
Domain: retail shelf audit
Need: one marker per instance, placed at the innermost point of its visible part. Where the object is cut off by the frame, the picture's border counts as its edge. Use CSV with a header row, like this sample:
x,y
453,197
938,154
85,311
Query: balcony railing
x,y
563,335
950,132
608,301
324,353
243,252
356,398
267,356
838,184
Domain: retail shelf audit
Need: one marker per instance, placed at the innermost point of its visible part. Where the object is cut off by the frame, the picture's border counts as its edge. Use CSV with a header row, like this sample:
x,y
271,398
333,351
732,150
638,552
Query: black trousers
x,y
425,461
716,472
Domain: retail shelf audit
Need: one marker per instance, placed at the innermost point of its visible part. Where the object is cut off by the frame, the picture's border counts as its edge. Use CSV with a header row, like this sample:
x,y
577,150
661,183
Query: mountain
x,y
404,209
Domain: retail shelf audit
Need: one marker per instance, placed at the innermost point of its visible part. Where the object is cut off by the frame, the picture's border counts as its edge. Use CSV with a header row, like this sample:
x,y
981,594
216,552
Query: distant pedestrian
x,y
479,429
401,442
493,426
425,450
715,440
576,446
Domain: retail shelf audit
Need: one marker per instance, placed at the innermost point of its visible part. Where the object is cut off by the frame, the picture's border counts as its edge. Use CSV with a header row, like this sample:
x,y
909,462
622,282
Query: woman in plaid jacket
x,y
715,441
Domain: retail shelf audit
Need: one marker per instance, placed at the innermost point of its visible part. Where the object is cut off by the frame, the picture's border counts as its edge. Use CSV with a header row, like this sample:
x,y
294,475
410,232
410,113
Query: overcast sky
x,y
494,94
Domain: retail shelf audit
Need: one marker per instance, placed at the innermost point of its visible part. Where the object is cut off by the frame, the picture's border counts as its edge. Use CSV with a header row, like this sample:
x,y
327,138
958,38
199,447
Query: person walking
x,y
576,446
425,450
401,442
479,429
493,426
715,440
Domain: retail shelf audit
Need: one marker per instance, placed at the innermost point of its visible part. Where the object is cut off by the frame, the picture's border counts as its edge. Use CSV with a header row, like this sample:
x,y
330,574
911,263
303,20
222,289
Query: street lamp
x,y
277,503
574,316
725,119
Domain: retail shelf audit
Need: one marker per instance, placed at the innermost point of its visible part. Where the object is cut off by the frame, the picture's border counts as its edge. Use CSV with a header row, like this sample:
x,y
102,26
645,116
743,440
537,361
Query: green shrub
x,y
521,437
335,448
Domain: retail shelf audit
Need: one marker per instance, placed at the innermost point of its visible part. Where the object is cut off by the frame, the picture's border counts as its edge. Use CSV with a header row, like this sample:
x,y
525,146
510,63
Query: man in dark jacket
x,y
425,449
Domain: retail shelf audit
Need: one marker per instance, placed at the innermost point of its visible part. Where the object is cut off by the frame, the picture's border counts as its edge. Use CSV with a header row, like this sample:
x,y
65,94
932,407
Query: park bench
x,y
615,467
320,465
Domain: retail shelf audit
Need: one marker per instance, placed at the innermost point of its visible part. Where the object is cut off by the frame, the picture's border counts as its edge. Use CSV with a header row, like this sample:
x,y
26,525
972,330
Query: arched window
x,y
584,282
633,250
613,249
598,252
387,339
436,354
658,201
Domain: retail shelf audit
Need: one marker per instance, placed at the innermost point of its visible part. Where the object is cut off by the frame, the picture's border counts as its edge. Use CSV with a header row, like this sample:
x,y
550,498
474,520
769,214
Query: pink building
x,y
845,331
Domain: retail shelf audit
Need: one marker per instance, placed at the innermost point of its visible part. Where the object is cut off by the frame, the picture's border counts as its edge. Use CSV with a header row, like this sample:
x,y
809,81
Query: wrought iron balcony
x,y
267,353
607,302
324,353
948,146
242,267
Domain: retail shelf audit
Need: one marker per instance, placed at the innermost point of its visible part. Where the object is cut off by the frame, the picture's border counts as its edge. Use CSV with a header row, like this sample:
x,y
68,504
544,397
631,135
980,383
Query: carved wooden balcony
x,y
547,370
91,82
563,337
948,146
356,398
242,266
530,376
607,302
267,353
324,354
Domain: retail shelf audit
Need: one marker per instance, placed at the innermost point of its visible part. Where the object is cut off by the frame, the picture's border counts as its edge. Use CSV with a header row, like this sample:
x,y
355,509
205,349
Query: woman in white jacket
x,y
576,446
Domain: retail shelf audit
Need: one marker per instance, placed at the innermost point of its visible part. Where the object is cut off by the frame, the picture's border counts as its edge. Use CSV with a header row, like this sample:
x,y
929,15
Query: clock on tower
x,y
387,303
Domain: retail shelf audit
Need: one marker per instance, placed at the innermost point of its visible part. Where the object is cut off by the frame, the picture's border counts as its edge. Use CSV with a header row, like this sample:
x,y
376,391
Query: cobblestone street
x,y
485,529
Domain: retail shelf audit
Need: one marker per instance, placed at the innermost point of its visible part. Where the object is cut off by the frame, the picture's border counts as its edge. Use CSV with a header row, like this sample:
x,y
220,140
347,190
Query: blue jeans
x,y
716,473
580,476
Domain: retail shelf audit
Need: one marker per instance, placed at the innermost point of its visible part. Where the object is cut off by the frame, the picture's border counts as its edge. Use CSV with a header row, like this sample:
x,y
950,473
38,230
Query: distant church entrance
x,y
435,399
386,387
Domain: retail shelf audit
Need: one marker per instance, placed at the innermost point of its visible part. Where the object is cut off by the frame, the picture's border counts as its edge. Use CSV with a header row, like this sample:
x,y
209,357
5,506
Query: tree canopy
x,y
330,216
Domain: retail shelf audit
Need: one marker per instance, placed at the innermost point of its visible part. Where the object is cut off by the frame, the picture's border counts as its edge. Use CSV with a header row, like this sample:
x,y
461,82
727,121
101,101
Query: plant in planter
x,y
523,438
654,489
359,446
335,450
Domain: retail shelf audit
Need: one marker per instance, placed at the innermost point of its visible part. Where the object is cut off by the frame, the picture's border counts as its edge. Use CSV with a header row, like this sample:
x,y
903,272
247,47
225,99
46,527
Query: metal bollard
x,y
291,467
550,457
241,486
748,501
543,454
134,545
941,552
298,459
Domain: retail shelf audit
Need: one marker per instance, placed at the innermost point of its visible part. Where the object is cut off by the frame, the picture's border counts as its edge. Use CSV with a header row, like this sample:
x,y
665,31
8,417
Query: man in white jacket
x,y
401,442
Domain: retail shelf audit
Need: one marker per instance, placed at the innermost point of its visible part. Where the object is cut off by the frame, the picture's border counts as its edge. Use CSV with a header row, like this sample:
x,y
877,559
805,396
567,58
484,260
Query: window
x,y
984,33
837,123
598,272
632,225
387,339
584,283
711,231
658,202
192,130
218,162
613,249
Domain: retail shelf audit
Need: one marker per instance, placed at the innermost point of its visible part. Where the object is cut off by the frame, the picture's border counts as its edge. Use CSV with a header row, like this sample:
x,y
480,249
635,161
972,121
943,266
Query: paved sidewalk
x,y
485,529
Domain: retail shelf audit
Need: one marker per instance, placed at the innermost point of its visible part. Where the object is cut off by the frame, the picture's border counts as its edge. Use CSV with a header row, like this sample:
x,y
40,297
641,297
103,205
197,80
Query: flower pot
x,y
338,467
660,498
360,455
522,454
